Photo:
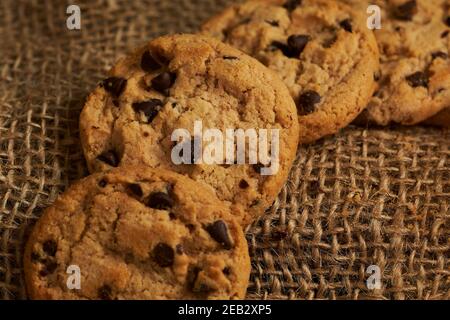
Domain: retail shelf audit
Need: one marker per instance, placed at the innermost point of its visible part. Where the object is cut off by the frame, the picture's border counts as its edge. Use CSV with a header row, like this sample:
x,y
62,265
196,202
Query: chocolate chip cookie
x,y
177,82
442,119
322,50
137,233
414,79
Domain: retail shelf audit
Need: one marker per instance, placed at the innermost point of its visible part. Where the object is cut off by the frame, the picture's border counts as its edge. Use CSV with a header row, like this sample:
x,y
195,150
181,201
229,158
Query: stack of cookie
x,y
157,219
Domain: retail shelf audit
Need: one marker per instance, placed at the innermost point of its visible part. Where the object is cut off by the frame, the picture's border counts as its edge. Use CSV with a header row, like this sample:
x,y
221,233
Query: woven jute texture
x,y
367,197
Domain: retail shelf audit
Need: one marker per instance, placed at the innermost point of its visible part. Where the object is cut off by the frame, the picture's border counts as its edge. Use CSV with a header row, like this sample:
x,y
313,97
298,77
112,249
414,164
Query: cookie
x,y
321,49
442,119
137,233
177,82
414,80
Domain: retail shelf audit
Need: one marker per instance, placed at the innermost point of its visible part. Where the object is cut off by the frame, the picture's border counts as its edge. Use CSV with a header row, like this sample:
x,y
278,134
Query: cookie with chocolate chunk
x,y
322,50
414,79
137,233
175,82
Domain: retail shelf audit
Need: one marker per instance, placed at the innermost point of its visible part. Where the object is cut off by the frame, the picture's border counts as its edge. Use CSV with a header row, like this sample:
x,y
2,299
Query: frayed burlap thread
x,y
367,197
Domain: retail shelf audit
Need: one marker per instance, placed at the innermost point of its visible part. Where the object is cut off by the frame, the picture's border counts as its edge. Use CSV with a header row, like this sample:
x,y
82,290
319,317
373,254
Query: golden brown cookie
x,y
414,80
321,49
137,233
442,119
173,83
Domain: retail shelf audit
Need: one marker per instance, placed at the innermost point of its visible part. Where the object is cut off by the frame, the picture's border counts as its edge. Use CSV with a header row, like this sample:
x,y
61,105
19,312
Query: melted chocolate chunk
x,y
447,21
291,5
160,201
163,255
50,247
219,232
136,190
149,108
418,79
110,158
307,101
115,85
102,183
406,11
148,63
346,25
243,184
48,268
164,81
273,23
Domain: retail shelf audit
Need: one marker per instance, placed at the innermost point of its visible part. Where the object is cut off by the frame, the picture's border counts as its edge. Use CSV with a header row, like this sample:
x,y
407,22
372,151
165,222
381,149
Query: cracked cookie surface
x,y
414,80
170,84
137,233
321,49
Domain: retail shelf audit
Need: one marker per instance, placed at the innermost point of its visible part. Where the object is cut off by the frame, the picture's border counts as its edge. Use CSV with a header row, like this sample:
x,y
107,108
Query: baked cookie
x,y
322,50
177,82
137,233
414,82
442,119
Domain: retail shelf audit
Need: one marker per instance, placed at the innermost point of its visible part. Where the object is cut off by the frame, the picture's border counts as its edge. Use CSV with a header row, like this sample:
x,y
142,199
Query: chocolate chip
x,y
291,5
115,85
148,63
406,11
136,189
307,101
219,232
35,256
105,292
160,201
116,103
226,271
179,248
192,275
447,21
243,184
109,157
48,268
172,216
439,54
163,255
102,183
277,45
445,33
273,23
297,44
50,247
149,108
190,227
230,58
346,25
418,79
163,82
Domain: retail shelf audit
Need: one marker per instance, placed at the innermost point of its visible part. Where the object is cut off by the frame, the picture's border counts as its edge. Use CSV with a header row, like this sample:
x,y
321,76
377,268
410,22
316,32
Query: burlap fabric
x,y
366,197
